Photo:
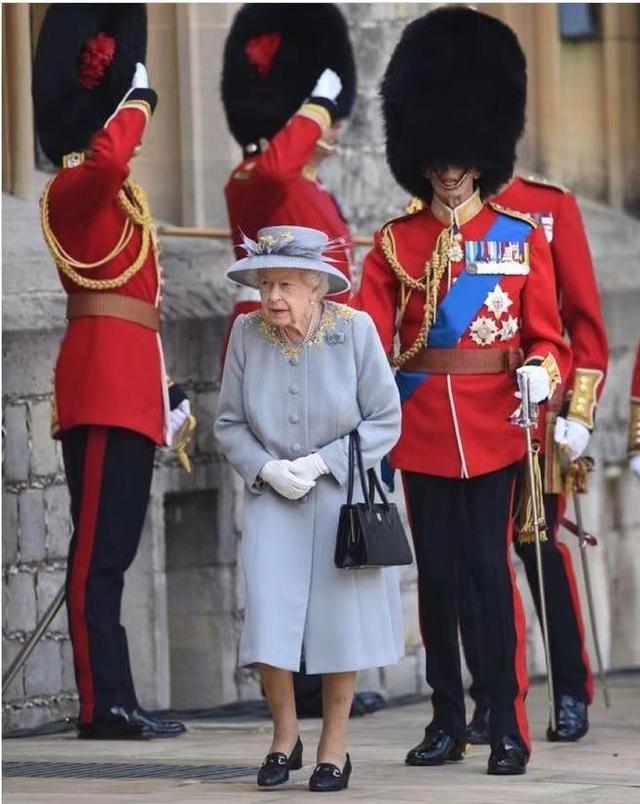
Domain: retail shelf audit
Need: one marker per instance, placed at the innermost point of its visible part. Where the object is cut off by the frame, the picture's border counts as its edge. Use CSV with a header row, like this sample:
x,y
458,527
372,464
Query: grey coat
x,y
283,402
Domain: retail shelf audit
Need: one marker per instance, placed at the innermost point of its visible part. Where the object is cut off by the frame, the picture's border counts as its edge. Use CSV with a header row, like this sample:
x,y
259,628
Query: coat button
x,y
294,361
294,389
295,447
294,418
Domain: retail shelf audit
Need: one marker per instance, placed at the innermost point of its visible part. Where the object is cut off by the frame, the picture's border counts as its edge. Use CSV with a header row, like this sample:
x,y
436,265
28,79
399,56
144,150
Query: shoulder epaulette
x,y
513,213
415,205
529,178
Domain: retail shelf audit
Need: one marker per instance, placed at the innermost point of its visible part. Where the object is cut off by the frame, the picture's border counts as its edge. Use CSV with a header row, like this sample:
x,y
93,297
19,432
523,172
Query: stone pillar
x,y
549,91
19,106
621,105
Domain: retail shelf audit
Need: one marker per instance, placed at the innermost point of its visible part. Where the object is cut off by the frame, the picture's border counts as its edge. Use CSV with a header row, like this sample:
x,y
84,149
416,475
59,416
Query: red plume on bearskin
x,y
97,55
261,51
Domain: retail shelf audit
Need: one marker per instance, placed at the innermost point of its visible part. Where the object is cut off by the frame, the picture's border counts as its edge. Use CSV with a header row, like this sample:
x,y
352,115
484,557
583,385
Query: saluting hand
x,y
328,86
140,77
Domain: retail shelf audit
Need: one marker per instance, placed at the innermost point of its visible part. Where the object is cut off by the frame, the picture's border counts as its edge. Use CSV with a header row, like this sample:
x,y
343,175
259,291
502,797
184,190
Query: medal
x,y
455,249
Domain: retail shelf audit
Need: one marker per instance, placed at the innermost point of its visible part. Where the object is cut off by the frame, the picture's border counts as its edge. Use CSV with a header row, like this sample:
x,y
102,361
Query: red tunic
x,y
579,300
458,426
271,189
109,371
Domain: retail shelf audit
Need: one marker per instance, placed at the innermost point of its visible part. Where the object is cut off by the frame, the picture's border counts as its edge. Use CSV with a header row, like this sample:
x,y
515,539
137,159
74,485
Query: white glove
x,y
572,434
634,464
140,77
179,416
539,385
279,476
310,467
329,86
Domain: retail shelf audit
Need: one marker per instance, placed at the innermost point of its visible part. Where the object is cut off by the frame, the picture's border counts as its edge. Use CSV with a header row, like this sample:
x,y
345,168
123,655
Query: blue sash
x,y
458,309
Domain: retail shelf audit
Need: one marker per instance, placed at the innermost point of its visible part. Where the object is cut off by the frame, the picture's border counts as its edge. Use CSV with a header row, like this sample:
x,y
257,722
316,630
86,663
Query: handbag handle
x,y
355,451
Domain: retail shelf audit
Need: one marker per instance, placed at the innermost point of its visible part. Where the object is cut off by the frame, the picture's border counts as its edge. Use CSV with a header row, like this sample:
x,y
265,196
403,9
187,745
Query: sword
x,y
584,541
527,417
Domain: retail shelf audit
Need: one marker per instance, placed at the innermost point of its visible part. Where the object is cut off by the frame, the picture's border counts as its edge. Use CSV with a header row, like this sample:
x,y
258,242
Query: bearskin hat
x,y
274,54
84,65
454,93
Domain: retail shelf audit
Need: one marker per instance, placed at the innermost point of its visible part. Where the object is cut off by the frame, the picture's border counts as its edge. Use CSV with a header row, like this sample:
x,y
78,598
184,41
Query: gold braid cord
x,y
133,202
428,283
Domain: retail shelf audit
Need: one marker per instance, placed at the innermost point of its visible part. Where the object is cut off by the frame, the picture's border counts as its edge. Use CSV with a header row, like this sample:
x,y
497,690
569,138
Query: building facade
x,y
184,594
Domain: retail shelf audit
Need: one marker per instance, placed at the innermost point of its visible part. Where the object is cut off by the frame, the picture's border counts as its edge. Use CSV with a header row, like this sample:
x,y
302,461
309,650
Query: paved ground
x,y
604,767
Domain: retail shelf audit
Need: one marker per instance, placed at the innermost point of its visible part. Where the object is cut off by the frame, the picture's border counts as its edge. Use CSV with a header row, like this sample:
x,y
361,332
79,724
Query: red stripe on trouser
x,y
519,621
565,554
85,540
413,535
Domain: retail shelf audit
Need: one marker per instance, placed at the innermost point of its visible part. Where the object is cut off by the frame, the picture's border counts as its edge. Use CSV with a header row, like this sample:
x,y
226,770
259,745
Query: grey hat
x,y
288,247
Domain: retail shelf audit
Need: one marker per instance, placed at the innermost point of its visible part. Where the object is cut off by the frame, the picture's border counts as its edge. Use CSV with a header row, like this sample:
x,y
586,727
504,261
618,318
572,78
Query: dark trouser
x,y
109,476
458,524
569,660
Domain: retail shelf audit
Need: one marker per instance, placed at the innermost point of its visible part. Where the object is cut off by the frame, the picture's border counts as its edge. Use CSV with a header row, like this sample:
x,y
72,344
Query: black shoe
x,y
436,748
276,766
114,724
572,720
477,732
155,727
509,757
328,778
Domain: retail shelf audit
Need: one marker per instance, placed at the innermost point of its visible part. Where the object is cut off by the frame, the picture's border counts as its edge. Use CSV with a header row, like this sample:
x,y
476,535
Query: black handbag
x,y
370,534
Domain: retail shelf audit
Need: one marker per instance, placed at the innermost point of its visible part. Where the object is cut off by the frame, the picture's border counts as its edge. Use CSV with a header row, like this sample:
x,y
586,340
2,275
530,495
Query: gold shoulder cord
x,y
428,283
137,213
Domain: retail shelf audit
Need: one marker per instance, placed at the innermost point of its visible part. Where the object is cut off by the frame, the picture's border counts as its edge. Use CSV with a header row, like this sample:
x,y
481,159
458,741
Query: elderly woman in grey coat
x,y
300,375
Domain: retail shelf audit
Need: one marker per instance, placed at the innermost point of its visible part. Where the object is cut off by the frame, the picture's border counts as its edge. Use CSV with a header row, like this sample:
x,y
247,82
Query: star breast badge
x,y
483,331
498,302
508,328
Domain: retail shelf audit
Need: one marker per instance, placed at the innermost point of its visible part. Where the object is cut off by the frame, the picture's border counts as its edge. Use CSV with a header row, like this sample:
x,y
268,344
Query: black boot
x,y
436,748
114,724
508,757
477,732
155,727
276,766
572,720
328,778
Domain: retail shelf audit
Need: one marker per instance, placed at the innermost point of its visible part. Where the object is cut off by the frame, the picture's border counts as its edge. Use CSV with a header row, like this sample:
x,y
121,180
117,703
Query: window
x,y
578,21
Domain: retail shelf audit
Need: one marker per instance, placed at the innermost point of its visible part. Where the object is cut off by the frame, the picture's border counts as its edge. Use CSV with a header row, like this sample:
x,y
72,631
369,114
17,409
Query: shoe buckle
x,y
336,772
281,760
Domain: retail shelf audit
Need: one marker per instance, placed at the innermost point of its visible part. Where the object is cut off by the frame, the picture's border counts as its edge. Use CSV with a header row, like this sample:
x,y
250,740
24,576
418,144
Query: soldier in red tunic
x,y
634,418
566,427
468,286
284,101
112,405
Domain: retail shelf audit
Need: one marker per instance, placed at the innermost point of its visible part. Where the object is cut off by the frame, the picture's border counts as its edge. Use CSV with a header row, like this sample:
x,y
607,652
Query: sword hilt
x,y
526,415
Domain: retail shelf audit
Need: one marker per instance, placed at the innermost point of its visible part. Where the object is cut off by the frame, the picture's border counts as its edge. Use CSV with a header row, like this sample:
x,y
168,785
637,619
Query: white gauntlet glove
x,y
179,416
573,435
329,86
539,385
634,464
140,77
309,468
279,476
